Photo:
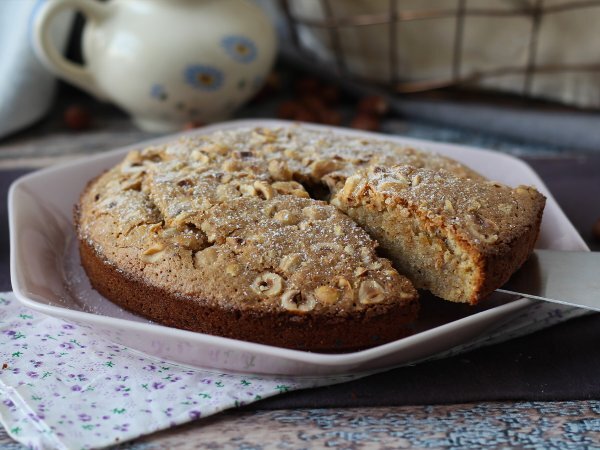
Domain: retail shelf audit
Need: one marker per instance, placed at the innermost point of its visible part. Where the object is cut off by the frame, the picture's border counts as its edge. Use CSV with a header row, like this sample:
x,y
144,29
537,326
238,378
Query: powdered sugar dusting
x,y
198,213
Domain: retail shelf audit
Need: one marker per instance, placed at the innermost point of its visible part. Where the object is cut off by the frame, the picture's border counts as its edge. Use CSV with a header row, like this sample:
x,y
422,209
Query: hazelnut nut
x,y
370,291
267,284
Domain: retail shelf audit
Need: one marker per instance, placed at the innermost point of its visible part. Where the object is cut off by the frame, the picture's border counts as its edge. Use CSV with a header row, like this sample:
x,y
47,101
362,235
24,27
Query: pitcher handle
x,y
77,74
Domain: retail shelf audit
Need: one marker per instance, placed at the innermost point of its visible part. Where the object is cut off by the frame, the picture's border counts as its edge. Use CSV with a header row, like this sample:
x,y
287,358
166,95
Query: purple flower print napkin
x,y
62,387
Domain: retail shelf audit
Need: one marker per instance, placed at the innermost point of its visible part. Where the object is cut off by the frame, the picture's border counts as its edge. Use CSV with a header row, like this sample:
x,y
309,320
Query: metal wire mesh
x,y
394,16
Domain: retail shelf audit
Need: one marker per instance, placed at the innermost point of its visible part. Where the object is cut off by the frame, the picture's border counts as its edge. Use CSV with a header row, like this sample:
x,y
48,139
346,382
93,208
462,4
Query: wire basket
x,y
321,29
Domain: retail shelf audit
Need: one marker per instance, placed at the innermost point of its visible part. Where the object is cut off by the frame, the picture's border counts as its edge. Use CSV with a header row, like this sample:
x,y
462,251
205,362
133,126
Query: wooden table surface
x,y
534,425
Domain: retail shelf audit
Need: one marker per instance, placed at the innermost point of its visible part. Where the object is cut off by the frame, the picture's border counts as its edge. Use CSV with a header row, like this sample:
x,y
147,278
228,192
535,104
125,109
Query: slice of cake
x,y
456,237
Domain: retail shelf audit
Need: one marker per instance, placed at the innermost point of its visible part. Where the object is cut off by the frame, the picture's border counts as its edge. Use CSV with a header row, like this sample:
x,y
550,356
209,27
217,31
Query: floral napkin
x,y
62,387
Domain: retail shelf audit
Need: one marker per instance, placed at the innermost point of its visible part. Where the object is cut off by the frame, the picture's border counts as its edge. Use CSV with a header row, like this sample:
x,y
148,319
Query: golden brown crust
x,y
322,333
498,267
218,234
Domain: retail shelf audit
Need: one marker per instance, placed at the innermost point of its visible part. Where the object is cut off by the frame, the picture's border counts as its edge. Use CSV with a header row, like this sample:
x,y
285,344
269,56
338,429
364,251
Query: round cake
x,y
233,234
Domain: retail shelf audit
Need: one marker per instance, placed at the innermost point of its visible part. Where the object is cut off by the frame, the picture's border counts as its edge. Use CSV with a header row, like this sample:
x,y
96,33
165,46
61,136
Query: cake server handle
x,y
569,278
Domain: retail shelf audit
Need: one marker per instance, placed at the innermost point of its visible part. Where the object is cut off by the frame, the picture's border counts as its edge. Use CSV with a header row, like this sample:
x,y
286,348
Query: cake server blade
x,y
569,278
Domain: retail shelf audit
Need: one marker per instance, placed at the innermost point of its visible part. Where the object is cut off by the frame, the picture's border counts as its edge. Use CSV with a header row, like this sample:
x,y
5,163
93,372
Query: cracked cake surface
x,y
228,234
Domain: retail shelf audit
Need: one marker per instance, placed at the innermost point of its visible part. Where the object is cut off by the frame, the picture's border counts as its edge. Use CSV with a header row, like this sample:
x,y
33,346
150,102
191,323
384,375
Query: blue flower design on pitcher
x,y
203,77
240,48
158,92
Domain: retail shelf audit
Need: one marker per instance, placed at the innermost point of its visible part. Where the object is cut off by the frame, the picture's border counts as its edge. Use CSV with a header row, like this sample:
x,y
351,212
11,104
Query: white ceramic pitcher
x,y
166,62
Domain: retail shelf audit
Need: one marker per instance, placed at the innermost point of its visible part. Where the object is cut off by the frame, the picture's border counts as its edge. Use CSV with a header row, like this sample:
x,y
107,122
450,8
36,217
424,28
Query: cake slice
x,y
459,238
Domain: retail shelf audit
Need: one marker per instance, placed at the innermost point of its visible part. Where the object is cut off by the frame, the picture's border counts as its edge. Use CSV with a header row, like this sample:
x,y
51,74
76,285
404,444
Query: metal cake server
x,y
569,278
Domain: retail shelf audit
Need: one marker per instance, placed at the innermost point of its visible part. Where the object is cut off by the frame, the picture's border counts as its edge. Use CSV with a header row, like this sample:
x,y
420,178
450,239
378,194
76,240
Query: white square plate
x,y
46,274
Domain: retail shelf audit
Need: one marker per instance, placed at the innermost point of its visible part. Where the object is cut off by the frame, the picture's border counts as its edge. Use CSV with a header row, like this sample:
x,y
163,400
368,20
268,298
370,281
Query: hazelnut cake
x,y
270,235
458,238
